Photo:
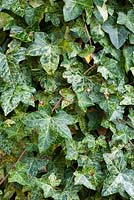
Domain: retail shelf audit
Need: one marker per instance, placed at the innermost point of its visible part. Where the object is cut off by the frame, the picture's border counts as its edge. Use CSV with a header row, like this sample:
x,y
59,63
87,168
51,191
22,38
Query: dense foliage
x,y
67,99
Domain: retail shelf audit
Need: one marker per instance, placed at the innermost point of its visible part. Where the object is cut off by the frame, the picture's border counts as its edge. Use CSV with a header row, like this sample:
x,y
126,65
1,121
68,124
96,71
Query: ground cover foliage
x,y
66,99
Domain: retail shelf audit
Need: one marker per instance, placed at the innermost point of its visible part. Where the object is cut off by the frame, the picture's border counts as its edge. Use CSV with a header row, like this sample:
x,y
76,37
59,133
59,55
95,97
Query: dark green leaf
x,y
117,33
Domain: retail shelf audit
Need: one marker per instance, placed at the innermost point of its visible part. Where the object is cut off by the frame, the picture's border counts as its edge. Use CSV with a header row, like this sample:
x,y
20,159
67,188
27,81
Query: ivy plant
x,y
66,99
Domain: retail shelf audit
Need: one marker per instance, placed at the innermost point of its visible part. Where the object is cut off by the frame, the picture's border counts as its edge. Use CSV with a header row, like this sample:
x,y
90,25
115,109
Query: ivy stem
x,y
13,167
86,29
57,104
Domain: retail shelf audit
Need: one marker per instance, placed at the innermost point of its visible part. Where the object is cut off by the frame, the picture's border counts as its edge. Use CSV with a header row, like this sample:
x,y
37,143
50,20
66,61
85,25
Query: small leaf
x,y
81,179
103,11
68,97
128,53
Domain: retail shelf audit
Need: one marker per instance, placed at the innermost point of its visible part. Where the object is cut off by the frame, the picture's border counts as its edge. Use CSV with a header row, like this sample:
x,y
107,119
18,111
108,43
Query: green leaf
x,y
83,87
51,127
72,8
20,33
6,21
71,150
128,53
120,178
128,96
103,11
117,33
14,95
68,97
126,19
48,52
4,70
48,191
81,179
16,6
78,30
34,15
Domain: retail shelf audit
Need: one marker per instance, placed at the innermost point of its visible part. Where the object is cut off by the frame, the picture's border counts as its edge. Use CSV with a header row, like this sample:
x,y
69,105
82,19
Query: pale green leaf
x,y
103,11
5,72
6,21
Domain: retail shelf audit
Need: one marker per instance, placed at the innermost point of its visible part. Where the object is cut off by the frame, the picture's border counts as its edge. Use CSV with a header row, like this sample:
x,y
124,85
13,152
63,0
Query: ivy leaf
x,y
20,33
14,95
16,6
4,70
78,30
120,178
34,15
6,21
128,53
68,97
117,33
81,179
103,11
83,87
48,52
47,189
51,127
128,96
10,70
126,19
72,8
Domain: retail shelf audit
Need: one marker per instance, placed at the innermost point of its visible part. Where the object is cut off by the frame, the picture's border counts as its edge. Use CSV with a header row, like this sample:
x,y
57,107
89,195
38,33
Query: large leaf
x,y
84,87
74,8
6,21
126,20
15,6
14,95
48,52
117,33
51,127
120,178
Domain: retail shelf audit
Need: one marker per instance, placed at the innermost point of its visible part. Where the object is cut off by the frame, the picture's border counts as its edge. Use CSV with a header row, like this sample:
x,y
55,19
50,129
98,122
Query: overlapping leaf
x,y
48,52
50,127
